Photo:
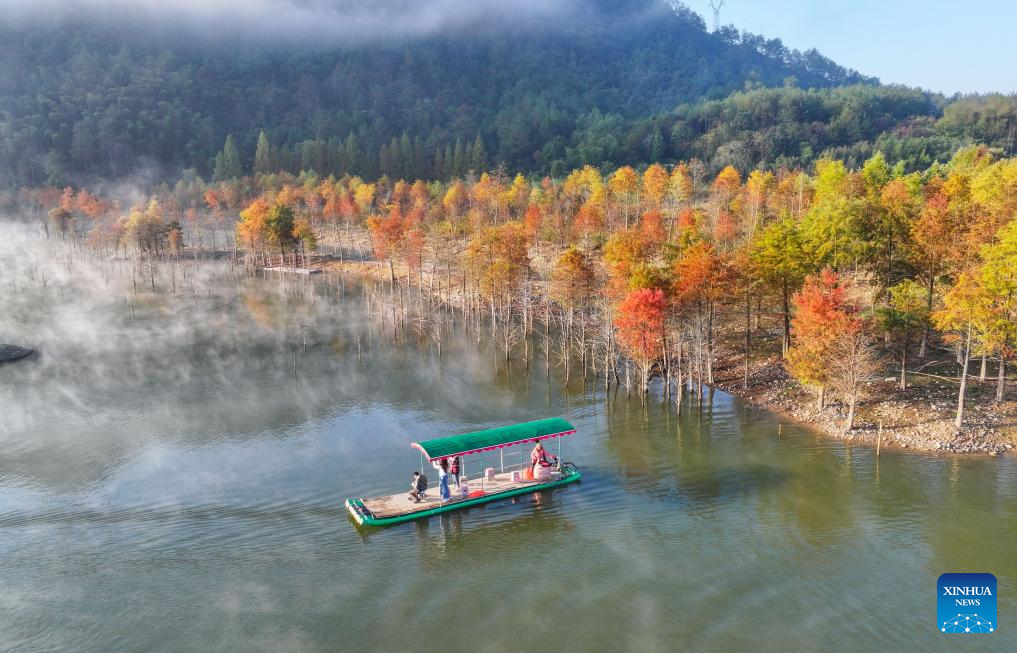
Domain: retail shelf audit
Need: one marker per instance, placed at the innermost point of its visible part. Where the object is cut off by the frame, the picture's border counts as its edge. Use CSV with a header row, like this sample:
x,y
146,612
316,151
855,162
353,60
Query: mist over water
x,y
172,478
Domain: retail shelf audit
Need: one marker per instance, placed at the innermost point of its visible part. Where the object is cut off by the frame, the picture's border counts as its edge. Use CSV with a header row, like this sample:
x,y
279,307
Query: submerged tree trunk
x,y
709,347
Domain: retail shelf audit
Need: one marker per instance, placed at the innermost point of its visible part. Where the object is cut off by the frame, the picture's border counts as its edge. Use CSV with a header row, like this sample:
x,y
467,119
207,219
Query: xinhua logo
x,y
966,603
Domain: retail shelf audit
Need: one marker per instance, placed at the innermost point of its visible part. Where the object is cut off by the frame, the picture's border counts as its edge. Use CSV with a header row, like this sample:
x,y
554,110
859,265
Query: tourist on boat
x,y
443,491
464,488
417,487
540,462
453,470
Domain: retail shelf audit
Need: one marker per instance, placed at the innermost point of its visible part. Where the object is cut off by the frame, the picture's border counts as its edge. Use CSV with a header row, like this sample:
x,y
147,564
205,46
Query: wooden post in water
x,y
879,442
780,430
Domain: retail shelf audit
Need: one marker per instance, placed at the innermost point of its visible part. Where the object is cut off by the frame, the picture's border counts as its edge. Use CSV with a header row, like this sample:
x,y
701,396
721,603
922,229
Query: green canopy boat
x,y
505,472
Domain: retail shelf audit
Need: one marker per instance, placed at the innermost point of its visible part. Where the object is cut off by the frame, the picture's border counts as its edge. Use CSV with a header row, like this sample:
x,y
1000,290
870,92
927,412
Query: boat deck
x,y
397,505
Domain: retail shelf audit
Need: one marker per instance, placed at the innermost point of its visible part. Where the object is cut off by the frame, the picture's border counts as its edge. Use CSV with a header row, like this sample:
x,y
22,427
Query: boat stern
x,y
355,510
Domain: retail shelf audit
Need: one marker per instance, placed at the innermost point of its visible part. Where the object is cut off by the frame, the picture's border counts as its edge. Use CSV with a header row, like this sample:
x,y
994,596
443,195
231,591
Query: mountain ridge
x,y
80,100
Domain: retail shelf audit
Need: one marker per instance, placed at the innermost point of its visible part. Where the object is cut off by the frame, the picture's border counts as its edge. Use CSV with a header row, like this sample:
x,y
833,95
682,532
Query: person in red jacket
x,y
453,469
539,457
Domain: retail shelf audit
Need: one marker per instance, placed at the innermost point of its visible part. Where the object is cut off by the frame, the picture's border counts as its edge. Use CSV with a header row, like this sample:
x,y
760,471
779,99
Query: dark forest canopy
x,y
83,100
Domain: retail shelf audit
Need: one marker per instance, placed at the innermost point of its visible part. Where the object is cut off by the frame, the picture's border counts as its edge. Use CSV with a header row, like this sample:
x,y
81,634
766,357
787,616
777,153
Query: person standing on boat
x,y
453,470
443,491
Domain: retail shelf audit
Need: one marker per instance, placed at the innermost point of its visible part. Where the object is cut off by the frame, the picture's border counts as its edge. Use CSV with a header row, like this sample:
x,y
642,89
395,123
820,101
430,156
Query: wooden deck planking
x,y
396,505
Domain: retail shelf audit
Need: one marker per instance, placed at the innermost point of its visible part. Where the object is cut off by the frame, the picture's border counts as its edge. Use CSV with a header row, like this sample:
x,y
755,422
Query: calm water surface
x,y
168,483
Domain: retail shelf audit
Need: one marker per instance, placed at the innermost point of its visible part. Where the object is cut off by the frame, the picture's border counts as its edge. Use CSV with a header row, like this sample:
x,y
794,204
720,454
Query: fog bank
x,y
306,21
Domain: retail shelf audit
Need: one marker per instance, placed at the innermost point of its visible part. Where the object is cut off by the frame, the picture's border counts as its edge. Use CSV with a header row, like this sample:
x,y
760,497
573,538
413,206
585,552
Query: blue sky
x,y
939,45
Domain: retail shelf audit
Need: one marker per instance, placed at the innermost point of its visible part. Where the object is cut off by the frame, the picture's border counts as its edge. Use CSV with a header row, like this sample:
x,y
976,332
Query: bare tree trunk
x,y
667,368
607,368
852,400
904,364
709,346
959,422
787,318
1001,379
748,338
547,331
923,348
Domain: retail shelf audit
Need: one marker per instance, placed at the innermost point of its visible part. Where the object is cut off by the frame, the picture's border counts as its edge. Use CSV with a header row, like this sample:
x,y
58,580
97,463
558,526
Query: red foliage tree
x,y
652,228
640,323
532,222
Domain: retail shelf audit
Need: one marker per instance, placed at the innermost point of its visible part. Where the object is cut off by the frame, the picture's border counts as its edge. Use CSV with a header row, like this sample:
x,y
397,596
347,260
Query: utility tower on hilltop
x,y
716,5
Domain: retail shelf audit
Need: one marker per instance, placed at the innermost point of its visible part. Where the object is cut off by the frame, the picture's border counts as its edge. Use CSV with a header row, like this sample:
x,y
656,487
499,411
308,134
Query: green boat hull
x,y
361,515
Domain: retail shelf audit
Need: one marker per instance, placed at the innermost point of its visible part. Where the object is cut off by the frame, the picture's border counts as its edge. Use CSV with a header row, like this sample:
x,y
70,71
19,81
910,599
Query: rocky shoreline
x,y
920,418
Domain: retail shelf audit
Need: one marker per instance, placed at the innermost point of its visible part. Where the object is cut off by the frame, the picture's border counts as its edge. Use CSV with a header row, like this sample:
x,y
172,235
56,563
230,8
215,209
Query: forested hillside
x,y
629,83
81,101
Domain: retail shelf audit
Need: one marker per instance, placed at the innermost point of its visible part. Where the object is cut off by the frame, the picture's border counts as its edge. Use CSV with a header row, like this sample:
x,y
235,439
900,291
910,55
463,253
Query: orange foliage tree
x,y
639,319
831,346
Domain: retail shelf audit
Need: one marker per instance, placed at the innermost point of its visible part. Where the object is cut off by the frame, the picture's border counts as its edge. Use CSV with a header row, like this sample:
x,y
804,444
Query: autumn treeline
x,y
658,272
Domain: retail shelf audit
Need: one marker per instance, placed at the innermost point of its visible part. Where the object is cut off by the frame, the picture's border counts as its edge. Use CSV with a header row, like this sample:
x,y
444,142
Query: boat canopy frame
x,y
496,438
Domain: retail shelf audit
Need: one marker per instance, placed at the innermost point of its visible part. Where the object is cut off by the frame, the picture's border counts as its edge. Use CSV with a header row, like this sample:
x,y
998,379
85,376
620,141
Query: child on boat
x,y
418,486
453,470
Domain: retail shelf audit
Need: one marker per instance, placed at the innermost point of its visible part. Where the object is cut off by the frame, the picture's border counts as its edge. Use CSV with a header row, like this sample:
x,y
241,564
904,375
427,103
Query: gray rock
x,y
11,353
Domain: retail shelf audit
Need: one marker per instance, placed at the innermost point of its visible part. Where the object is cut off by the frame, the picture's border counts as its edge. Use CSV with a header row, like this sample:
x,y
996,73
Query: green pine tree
x,y
438,172
404,162
478,155
459,161
657,147
449,169
351,154
263,156
419,159
227,162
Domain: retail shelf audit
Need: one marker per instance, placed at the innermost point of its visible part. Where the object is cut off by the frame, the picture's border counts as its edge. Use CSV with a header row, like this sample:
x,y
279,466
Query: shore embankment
x,y
920,418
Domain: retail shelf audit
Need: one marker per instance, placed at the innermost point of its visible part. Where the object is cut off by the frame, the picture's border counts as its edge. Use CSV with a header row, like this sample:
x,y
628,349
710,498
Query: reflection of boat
x,y
504,482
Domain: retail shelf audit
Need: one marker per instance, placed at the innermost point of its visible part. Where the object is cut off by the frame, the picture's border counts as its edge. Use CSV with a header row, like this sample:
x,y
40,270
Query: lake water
x,y
173,480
